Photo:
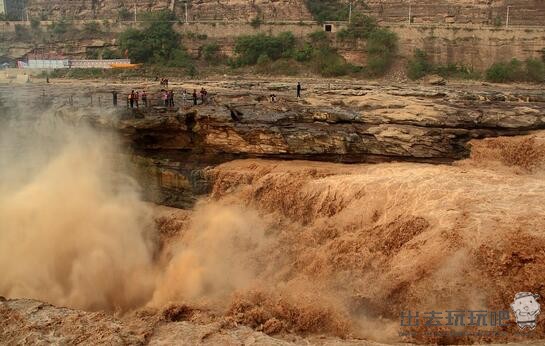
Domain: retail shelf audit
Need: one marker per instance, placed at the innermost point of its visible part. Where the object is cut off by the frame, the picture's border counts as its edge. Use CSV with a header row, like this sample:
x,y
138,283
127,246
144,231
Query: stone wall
x,y
489,12
197,10
473,46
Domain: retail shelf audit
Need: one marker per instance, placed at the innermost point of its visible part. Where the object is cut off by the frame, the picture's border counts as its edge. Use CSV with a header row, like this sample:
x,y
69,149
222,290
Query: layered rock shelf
x,y
334,123
358,125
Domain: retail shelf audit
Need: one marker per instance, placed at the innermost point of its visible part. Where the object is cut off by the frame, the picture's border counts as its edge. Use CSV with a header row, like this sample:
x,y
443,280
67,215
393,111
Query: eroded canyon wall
x,y
484,12
490,12
197,10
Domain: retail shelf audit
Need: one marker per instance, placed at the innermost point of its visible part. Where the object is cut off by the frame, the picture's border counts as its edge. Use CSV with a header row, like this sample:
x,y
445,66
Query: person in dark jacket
x,y
171,98
145,98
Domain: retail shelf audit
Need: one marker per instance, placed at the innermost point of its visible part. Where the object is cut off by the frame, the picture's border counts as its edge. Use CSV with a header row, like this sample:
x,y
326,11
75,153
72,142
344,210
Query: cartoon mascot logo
x,y
526,309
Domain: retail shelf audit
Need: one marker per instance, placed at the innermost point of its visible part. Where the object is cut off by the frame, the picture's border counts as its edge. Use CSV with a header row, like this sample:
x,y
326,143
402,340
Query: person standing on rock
x,y
203,95
171,98
194,97
184,97
165,97
137,99
145,99
299,90
131,99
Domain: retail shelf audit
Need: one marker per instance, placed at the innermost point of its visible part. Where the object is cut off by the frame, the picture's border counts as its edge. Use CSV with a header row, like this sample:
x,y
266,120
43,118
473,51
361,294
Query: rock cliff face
x,y
197,10
522,12
487,12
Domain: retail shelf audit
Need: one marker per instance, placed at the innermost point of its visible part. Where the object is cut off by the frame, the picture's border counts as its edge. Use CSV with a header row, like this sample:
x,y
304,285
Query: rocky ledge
x,y
356,126
338,124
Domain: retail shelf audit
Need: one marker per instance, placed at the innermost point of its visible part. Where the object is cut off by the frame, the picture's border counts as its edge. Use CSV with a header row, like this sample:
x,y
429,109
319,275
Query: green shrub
x,y
284,67
281,56
92,28
361,27
125,14
504,72
263,60
381,50
324,10
419,65
256,22
336,69
158,16
250,48
507,72
381,42
211,53
61,28
456,71
92,54
318,38
107,53
497,21
535,70
498,73
192,71
448,70
179,58
304,53
263,63
156,42
327,62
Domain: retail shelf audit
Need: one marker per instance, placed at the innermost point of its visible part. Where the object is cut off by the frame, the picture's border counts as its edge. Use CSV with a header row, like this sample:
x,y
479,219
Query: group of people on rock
x,y
164,81
133,99
167,97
